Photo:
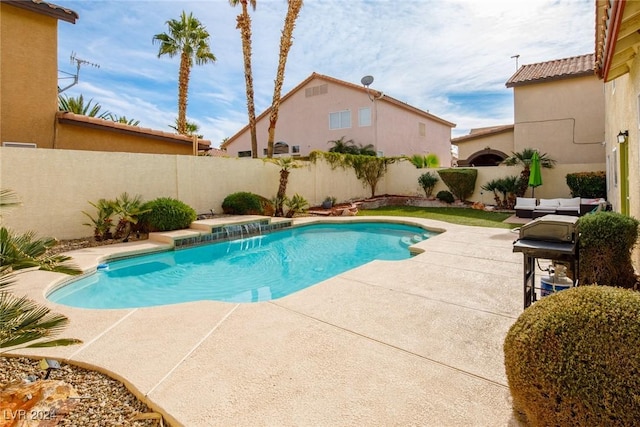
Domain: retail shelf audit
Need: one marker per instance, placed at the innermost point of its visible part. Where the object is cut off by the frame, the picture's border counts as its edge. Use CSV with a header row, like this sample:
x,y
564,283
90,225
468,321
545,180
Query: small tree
x,y
428,182
523,158
285,164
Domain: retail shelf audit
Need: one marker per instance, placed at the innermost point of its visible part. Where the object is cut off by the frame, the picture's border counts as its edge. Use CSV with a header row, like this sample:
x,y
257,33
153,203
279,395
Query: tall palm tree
x,y
523,158
188,38
286,40
244,25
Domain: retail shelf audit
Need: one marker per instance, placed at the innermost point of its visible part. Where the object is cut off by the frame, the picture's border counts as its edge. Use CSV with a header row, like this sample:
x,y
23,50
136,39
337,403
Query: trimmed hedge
x,y
445,196
606,242
573,358
460,181
246,203
588,185
167,214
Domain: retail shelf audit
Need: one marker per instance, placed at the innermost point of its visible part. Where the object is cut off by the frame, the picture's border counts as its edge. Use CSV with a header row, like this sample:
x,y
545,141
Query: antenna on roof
x,y
75,76
516,56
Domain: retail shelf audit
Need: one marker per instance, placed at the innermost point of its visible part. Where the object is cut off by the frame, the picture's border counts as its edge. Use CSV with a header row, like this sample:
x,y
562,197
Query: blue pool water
x,y
253,269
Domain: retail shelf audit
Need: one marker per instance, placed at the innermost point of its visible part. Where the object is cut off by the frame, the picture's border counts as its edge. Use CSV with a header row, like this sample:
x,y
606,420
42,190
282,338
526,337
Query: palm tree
x,y
286,40
23,321
77,106
191,129
285,164
523,158
244,25
188,38
342,146
124,120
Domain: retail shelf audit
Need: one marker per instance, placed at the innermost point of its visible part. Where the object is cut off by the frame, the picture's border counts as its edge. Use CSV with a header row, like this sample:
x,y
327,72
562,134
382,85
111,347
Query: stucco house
x,y
617,65
29,115
322,109
558,109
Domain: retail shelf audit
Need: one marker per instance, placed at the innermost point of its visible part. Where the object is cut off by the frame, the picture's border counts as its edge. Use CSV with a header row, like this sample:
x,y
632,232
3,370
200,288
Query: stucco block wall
x,y
55,186
564,119
28,54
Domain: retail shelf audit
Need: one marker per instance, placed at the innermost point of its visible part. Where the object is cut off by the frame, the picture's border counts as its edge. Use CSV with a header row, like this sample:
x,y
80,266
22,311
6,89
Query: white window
x,y
364,116
340,119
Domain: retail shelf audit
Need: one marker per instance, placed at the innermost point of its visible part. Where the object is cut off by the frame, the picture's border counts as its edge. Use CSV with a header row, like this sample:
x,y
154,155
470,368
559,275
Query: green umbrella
x,y
535,175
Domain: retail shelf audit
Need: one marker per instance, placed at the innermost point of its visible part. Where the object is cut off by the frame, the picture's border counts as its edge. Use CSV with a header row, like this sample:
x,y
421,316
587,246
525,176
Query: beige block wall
x,y
55,186
28,54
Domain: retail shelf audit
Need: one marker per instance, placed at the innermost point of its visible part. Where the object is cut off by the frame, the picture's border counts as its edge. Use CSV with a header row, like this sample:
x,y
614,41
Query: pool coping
x,y
305,303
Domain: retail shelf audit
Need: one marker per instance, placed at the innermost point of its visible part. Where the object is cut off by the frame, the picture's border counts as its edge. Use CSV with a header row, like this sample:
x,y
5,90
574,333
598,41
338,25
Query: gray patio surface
x,y
413,342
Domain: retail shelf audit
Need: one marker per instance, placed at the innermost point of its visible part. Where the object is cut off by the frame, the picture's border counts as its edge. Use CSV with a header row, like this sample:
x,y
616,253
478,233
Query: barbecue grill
x,y
551,237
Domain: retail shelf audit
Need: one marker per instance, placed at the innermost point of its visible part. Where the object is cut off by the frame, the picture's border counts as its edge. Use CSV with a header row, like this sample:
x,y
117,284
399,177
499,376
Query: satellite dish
x,y
366,80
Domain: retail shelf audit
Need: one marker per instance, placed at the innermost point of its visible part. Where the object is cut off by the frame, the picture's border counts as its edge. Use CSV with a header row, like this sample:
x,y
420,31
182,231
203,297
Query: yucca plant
x,y
103,222
128,209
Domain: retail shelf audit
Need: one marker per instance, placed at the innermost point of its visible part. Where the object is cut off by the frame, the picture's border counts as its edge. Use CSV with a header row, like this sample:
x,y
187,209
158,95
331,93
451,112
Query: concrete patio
x,y
413,342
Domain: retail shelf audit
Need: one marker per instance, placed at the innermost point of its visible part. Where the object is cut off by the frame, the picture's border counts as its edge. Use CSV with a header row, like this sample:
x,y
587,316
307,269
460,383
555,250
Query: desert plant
x,y
504,191
523,158
166,214
606,242
242,203
589,185
573,358
427,161
445,196
103,221
128,210
296,204
460,181
24,323
428,182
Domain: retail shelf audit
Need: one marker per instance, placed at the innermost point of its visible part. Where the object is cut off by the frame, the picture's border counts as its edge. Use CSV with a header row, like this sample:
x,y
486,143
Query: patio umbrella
x,y
535,175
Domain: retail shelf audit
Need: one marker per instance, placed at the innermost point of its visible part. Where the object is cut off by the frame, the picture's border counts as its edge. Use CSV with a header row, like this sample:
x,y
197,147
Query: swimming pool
x,y
258,268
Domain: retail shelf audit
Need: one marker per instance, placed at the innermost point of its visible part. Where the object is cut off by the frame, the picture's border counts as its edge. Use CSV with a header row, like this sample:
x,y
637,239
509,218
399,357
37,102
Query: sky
x,y
451,58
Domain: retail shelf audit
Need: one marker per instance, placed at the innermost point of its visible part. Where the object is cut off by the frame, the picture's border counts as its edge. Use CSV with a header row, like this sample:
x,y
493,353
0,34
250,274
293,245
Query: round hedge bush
x,y
245,203
445,196
606,242
167,214
573,358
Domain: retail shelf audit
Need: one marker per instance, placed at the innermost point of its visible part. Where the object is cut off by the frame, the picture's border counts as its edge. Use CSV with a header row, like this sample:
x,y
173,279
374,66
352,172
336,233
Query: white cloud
x,y
450,57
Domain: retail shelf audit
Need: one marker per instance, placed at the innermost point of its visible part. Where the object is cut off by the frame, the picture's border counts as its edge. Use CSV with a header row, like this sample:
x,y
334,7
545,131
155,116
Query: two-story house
x,y
558,109
322,109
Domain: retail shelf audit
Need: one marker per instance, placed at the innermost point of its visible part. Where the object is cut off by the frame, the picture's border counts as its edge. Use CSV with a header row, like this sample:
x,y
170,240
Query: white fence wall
x,y
55,186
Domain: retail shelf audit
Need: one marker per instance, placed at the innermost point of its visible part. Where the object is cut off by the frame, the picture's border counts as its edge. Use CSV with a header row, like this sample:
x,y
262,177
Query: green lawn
x,y
463,216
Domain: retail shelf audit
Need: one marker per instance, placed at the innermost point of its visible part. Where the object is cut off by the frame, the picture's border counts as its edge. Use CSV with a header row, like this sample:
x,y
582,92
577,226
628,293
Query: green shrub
x,y
589,185
296,204
606,242
460,181
573,358
427,182
445,196
245,203
166,214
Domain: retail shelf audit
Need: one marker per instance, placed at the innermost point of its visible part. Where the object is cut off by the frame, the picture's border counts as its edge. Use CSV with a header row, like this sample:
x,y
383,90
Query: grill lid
x,y
551,228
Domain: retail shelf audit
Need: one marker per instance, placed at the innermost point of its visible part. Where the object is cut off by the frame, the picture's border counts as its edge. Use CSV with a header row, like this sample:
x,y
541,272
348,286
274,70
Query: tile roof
x,y
576,66
482,132
45,8
94,122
